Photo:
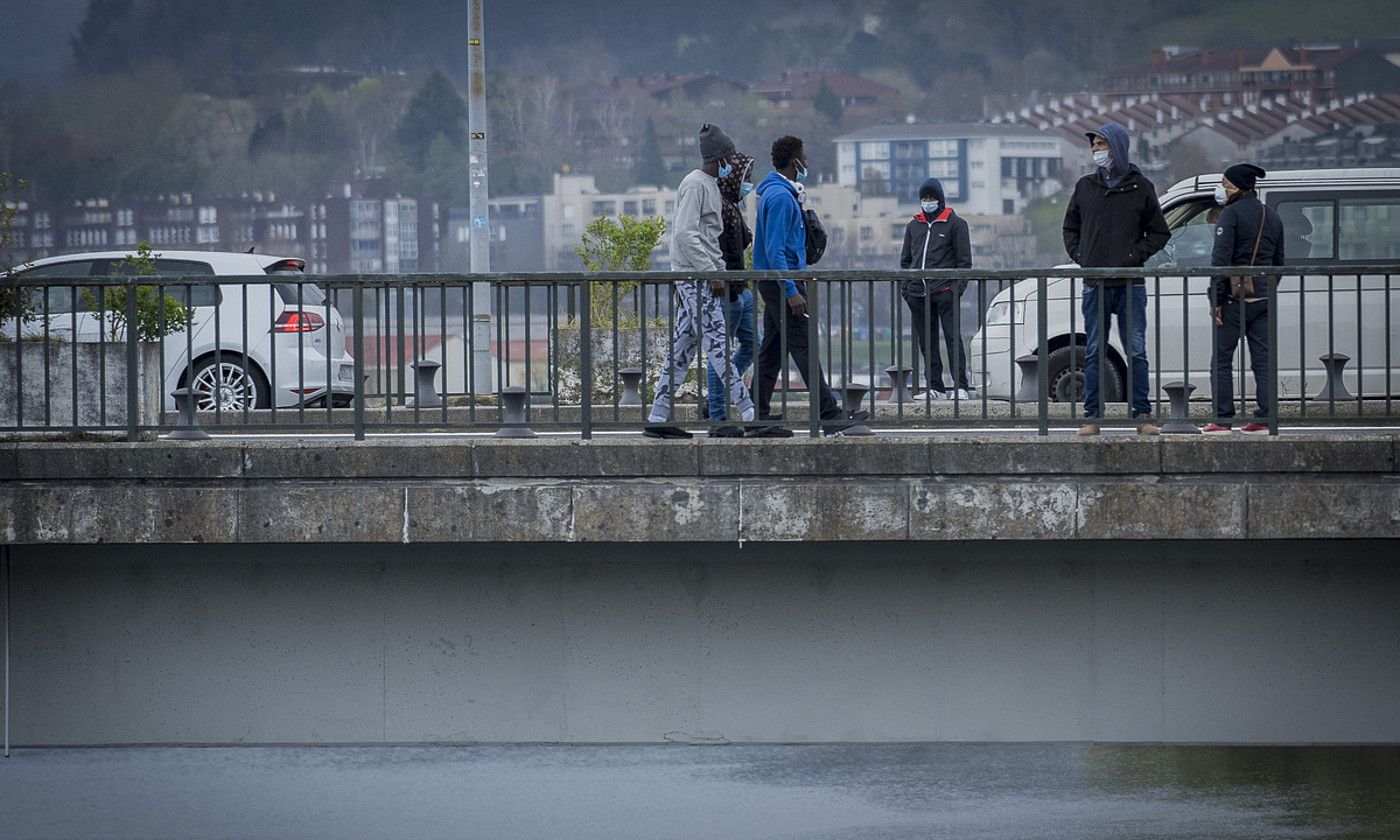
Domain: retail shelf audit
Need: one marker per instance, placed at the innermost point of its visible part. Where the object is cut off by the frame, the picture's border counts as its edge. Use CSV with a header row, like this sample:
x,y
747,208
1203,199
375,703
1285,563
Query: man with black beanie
x,y
1248,233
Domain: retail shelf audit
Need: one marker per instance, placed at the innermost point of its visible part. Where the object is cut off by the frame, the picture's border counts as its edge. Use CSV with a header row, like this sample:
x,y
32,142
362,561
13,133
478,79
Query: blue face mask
x,y
929,206
1101,159
801,173
726,170
744,190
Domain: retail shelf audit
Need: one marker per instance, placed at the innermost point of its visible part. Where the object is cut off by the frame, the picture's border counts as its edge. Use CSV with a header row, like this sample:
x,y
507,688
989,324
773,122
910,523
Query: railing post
x,y
814,364
585,352
133,405
1042,356
358,323
1274,354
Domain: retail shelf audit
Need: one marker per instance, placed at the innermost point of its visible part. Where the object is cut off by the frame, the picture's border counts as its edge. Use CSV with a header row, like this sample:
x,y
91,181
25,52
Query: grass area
x,y
1254,21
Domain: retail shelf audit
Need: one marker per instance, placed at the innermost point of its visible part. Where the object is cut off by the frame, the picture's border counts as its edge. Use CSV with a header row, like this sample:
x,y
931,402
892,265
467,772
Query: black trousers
x,y
934,311
1255,327
770,350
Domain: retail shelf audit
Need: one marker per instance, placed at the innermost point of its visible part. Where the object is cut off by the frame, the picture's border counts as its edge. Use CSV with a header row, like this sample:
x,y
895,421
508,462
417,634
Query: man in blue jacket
x,y
780,243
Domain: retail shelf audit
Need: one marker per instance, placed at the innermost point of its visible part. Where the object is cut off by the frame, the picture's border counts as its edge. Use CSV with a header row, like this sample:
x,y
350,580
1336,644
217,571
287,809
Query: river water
x,y
965,791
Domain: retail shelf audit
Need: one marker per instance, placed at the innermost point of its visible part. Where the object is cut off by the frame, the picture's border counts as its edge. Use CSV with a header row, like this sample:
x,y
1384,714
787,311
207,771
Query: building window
x,y
568,211
629,208
875,151
648,207
568,231
1008,207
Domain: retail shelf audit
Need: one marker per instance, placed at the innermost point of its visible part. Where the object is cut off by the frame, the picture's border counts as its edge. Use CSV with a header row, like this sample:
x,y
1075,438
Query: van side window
x,y
1369,229
1307,229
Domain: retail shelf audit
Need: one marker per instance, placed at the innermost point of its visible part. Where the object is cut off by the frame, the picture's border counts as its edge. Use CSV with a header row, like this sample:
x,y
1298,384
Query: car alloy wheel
x,y
224,387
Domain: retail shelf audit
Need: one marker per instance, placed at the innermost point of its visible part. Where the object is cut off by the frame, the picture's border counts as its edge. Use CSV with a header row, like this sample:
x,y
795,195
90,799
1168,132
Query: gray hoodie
x,y
697,225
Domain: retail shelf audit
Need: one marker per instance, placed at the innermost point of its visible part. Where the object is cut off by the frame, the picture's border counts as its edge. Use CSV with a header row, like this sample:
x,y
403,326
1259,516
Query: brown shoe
x,y
1089,429
1146,426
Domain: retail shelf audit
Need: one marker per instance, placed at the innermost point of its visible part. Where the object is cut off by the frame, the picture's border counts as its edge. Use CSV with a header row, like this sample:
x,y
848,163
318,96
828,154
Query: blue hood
x,y
1119,144
772,182
937,187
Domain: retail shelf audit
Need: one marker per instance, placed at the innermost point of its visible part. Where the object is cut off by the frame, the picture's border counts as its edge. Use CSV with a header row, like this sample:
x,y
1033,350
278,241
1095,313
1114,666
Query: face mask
x,y
801,173
1101,158
1221,197
726,170
744,190
929,206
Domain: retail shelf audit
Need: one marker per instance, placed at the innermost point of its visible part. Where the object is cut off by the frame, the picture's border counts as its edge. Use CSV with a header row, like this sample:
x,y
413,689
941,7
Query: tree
x,y
13,302
158,314
99,46
622,245
435,109
828,104
650,168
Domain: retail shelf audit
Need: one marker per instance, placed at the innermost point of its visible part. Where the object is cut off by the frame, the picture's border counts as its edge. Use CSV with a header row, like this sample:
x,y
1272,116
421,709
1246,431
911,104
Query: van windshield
x,y
1193,235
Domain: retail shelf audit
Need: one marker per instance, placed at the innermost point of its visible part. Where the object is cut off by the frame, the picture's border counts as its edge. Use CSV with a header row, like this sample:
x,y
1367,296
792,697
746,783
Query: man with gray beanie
x,y
695,233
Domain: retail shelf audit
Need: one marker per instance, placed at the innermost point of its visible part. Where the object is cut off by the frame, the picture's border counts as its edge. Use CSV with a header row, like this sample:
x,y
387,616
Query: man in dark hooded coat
x,y
1114,221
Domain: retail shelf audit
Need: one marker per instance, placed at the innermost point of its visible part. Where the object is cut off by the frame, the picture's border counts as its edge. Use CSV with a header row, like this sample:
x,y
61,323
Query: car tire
x,y
227,385
1066,376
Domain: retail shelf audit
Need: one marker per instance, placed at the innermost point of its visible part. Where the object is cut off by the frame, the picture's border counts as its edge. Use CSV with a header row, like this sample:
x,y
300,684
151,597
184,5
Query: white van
x,y
1330,217
287,344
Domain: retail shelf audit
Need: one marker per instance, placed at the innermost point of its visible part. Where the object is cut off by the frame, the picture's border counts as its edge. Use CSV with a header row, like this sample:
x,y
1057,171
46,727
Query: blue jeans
x,y
1116,302
738,321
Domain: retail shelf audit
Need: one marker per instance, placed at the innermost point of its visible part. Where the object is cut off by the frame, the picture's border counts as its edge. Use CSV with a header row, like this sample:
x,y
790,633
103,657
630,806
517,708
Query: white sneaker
x,y
961,394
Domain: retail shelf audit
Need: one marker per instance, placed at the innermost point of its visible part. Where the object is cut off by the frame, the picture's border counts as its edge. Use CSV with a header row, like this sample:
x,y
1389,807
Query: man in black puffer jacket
x,y
1114,221
937,238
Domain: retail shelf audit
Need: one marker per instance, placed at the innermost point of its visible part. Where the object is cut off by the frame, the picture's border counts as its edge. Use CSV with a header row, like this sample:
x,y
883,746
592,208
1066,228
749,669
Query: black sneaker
x,y
767,432
666,433
858,416
727,432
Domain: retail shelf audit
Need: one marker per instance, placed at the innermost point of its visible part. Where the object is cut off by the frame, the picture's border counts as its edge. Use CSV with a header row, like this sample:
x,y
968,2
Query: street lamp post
x,y
478,198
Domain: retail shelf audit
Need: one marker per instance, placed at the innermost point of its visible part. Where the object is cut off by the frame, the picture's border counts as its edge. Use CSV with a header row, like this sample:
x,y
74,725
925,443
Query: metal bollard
x,y
631,386
513,412
852,396
899,377
1030,378
1335,389
1179,418
424,395
188,428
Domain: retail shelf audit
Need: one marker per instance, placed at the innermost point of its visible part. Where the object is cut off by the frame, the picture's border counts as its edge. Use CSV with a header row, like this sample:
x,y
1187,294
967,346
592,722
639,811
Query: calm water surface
x,y
1055,792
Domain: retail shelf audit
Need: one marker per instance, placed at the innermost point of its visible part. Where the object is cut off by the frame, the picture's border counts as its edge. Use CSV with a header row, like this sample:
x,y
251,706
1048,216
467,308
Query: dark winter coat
x,y
1235,233
942,241
1113,219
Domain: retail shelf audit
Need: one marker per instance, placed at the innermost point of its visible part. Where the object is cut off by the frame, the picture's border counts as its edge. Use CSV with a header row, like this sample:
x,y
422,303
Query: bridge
x,y
408,568
908,587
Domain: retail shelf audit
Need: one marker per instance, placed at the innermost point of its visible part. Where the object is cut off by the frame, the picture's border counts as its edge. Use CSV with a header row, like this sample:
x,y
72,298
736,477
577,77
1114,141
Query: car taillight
x,y
295,322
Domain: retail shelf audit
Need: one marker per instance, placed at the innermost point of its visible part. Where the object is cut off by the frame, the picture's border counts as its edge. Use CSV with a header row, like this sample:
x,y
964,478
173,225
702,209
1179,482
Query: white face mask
x,y
1101,158
928,206
1220,195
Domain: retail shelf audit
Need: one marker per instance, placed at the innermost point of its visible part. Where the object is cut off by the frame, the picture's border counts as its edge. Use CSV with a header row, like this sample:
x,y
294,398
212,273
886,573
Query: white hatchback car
x,y
286,330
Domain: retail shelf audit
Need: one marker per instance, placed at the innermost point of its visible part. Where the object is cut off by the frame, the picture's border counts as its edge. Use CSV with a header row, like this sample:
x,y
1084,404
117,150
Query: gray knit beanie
x,y
714,143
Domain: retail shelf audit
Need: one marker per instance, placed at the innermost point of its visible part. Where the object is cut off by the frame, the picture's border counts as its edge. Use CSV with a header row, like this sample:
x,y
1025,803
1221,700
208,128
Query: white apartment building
x,y
986,170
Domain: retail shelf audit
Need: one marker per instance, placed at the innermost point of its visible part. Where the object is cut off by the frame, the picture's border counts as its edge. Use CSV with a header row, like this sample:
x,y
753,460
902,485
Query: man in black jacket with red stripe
x,y
937,238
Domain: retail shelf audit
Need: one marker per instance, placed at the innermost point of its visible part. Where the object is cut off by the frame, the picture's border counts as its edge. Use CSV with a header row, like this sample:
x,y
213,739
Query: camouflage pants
x,y
698,322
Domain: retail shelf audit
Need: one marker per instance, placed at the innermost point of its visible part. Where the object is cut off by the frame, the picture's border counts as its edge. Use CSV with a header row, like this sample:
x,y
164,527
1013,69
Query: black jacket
x,y
1235,232
732,244
940,242
1114,227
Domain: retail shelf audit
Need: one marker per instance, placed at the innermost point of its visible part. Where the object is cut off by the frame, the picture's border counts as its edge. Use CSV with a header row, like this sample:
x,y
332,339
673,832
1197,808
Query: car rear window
x,y
311,294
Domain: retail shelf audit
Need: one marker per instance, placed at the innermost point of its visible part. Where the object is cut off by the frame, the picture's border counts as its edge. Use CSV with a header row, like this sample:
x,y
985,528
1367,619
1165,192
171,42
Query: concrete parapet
x,y
885,489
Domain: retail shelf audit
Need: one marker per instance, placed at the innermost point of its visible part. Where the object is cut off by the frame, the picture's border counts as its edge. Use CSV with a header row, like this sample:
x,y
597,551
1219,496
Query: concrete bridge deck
x,y
895,488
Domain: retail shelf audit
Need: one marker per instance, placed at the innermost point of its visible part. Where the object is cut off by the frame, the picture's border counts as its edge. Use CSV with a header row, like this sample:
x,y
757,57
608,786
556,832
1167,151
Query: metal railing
x,y
517,353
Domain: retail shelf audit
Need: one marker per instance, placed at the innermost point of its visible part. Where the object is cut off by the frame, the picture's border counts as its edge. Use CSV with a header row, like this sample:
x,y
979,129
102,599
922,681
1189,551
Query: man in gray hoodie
x,y
695,232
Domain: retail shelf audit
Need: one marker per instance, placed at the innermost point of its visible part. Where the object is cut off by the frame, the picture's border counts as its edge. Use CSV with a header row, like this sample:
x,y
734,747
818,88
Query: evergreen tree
x,y
828,104
650,167
99,45
435,109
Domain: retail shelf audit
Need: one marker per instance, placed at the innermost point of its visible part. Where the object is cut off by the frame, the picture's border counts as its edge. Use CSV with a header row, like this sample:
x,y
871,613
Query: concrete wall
x,y
1145,641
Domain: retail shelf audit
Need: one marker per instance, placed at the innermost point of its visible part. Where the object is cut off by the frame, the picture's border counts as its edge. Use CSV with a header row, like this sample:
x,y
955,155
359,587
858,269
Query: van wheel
x,y
1067,377
227,386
